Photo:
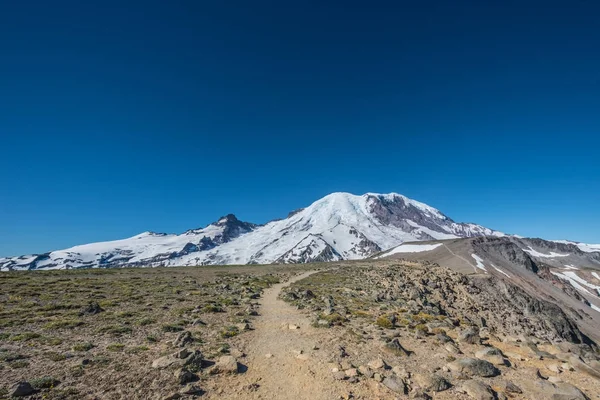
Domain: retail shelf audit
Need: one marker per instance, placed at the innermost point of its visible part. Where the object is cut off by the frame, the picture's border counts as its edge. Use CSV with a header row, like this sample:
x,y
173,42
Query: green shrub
x,y
384,322
83,346
115,347
46,382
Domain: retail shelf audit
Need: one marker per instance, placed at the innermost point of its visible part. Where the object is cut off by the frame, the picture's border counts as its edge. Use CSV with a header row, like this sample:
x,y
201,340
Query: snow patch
x,y
499,270
572,281
588,248
542,255
411,248
479,262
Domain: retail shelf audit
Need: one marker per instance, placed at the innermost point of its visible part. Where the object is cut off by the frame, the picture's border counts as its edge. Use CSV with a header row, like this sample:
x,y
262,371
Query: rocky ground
x,y
321,331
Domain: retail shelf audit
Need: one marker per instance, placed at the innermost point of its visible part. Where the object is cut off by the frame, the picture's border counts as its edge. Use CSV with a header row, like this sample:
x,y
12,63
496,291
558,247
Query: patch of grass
x,y
172,328
46,382
145,321
137,349
229,332
19,364
63,324
212,308
50,340
115,347
152,338
115,330
4,336
83,346
53,356
25,336
384,322
8,357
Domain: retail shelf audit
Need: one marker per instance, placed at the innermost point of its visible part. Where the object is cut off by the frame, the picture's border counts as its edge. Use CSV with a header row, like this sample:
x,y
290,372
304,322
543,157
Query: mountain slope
x,y
338,226
558,272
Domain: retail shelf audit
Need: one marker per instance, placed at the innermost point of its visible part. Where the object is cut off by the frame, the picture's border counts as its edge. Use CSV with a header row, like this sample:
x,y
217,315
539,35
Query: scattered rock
x,y
225,365
293,327
269,355
543,389
396,348
92,308
184,376
190,389
473,367
183,339
395,384
21,389
470,335
431,382
340,375
478,390
366,371
508,387
351,372
377,363
491,354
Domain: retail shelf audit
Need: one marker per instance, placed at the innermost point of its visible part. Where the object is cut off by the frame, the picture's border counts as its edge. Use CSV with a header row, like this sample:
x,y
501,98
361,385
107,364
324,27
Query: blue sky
x,y
121,117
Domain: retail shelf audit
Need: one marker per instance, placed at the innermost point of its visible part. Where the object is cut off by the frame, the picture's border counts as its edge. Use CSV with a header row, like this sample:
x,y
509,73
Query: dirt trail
x,y
285,374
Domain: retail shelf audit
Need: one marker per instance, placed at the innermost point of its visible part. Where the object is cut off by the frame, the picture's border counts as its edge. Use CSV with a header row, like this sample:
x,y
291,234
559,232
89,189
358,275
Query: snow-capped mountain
x,y
336,227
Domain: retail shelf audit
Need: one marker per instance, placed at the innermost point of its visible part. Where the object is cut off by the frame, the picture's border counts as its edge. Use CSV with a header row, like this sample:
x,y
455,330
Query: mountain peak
x,y
227,219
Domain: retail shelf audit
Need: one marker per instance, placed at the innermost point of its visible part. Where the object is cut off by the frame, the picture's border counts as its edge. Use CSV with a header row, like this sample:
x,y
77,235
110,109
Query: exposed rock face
x,y
520,313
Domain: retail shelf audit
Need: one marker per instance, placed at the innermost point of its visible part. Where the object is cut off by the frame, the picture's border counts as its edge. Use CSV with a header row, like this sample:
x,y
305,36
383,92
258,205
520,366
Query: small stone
x,y
554,368
431,382
396,348
351,372
293,327
469,335
224,365
395,384
478,390
346,365
184,376
378,363
190,389
183,339
473,367
183,353
365,371
269,355
243,327
401,372
339,376
378,377
21,389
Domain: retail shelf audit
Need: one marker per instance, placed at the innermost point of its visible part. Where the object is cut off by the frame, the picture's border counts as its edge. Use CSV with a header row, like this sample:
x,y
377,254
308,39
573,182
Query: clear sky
x,y
122,117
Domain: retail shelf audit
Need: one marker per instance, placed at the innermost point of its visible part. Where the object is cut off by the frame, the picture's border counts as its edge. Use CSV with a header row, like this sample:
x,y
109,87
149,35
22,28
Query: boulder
x,y
377,363
491,354
469,367
21,389
431,382
478,390
470,335
395,384
543,389
183,339
225,365
394,347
